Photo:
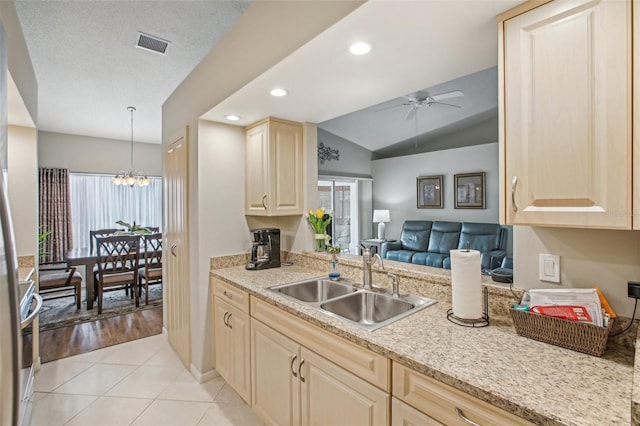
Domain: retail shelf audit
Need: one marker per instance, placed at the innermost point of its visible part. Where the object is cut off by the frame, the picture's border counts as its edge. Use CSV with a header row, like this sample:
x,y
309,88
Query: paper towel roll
x,y
466,284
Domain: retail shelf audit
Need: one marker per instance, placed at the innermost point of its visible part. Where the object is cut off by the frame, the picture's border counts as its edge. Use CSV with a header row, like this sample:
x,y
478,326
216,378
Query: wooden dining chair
x,y
117,264
151,272
100,233
57,280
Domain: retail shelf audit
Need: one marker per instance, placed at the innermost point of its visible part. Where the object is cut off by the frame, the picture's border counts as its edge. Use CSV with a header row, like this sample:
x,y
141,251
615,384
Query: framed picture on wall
x,y
469,191
430,192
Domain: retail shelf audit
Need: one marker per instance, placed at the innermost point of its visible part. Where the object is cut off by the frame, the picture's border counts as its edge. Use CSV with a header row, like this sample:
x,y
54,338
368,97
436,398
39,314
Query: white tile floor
x,y
136,383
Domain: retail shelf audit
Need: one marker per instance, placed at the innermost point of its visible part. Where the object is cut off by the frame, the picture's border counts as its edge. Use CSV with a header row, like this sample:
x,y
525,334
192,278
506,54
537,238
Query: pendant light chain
x,y
132,178
131,109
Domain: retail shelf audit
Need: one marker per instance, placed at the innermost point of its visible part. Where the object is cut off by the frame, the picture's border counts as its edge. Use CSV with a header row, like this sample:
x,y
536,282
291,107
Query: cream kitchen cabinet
x,y
294,385
405,415
274,160
232,338
565,114
443,403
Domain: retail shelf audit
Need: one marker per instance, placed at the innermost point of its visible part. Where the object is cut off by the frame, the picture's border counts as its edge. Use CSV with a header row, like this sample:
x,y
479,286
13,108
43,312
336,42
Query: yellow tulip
x,y
320,213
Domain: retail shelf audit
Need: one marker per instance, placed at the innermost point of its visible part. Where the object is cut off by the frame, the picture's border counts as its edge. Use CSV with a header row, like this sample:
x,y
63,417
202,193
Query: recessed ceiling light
x,y
360,48
278,92
232,117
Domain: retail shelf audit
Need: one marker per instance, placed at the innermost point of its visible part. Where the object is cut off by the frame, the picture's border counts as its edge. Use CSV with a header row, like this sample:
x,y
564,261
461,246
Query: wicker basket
x,y
578,336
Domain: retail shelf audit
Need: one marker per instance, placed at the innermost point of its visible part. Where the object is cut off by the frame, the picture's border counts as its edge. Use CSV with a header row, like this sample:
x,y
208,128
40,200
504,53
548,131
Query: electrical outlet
x,y
633,289
549,268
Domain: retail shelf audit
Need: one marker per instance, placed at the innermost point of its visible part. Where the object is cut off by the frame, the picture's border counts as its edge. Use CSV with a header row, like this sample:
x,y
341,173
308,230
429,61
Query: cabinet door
x,y
240,337
256,170
567,115
285,150
274,372
232,342
405,415
331,395
175,275
222,339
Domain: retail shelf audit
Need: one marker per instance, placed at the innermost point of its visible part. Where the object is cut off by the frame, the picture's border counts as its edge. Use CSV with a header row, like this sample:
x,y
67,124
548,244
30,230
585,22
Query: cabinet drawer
x,y
405,415
232,295
368,365
445,403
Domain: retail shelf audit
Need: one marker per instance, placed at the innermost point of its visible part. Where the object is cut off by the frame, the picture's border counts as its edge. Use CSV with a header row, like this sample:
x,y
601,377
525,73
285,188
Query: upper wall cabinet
x,y
565,119
274,168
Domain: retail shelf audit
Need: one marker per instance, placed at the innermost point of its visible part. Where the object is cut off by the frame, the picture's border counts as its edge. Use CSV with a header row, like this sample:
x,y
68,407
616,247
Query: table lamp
x,y
381,216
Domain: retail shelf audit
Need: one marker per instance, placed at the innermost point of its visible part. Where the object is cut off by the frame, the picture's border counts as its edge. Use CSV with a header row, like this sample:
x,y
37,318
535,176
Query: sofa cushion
x,y
444,237
435,260
415,235
488,238
483,237
400,255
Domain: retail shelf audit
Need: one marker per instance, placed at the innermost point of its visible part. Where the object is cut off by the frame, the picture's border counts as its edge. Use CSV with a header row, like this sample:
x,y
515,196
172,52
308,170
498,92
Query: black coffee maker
x,y
265,252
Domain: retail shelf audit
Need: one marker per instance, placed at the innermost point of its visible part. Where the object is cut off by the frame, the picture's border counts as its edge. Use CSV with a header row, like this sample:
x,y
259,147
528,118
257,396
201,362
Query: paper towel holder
x,y
477,322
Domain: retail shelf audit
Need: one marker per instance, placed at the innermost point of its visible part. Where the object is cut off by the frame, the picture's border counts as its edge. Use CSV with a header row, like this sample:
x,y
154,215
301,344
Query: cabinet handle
x,y
514,182
229,320
229,295
461,415
173,249
300,370
224,319
293,370
264,199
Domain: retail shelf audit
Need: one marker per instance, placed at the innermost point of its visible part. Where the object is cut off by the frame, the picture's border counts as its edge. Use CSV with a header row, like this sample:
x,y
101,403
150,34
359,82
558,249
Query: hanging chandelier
x,y
132,177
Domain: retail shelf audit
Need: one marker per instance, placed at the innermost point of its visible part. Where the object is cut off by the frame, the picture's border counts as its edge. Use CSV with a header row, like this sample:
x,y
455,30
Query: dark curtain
x,y
55,215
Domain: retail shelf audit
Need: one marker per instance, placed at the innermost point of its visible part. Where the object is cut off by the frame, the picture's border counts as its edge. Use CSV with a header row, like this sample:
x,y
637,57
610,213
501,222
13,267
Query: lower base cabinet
x,y
295,386
446,404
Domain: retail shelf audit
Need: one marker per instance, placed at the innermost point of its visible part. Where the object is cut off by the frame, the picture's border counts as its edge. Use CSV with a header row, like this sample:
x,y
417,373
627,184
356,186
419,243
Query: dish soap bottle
x,y
334,273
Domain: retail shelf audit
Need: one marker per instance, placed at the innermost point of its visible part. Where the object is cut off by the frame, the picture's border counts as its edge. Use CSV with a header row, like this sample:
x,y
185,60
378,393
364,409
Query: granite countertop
x,y
542,383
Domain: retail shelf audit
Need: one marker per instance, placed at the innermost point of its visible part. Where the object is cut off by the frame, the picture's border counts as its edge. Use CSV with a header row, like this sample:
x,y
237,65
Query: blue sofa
x,y
428,243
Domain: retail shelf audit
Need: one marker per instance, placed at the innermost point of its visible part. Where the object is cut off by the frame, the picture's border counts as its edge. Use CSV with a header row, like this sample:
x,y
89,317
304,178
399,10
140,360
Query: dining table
x,y
83,257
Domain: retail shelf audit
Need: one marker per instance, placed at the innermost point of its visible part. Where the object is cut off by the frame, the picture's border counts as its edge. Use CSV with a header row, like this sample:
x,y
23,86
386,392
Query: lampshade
x,y
131,177
381,216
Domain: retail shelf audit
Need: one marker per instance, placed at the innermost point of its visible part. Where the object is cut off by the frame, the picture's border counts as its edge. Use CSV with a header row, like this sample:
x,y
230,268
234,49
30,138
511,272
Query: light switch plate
x,y
549,269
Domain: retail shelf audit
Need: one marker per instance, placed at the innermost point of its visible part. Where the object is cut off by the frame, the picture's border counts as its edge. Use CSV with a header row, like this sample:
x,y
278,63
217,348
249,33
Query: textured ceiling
x,y
89,70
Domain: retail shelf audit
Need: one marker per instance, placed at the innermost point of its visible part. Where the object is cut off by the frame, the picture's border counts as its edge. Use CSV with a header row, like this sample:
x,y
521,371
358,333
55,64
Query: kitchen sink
x,y
366,309
315,290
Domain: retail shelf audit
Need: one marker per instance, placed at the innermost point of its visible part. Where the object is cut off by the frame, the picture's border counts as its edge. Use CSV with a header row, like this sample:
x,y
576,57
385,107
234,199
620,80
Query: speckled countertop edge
x,y
539,382
635,392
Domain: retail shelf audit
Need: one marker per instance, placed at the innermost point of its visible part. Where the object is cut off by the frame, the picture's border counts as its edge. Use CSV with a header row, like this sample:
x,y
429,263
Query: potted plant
x,y
133,229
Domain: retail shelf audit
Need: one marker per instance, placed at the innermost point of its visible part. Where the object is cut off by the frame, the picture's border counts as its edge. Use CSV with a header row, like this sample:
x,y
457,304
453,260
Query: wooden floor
x,y
89,336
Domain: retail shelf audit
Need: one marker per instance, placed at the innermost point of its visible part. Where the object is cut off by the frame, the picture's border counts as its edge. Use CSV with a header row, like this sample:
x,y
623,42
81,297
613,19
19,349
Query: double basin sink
x,y
366,309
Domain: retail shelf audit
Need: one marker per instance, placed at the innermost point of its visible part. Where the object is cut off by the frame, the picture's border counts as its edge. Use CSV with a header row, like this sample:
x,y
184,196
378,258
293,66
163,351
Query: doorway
x,y
346,197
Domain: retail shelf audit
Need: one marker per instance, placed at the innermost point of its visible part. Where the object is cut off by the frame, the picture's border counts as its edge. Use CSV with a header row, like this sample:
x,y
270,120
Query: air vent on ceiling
x,y
155,44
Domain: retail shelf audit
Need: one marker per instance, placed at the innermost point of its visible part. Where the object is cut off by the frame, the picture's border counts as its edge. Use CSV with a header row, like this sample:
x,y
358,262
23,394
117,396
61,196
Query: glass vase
x,y
320,242
334,273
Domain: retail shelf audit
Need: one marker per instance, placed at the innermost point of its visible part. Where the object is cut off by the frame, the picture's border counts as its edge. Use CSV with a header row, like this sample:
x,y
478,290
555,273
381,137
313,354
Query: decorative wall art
x,y
325,153
469,191
429,192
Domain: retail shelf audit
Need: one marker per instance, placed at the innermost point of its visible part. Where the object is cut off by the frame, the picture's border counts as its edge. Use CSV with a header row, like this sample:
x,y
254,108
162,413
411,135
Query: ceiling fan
x,y
420,99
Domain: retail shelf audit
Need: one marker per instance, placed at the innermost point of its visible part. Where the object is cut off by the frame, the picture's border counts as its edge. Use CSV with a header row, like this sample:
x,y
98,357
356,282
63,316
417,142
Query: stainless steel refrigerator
x,y
10,330
19,306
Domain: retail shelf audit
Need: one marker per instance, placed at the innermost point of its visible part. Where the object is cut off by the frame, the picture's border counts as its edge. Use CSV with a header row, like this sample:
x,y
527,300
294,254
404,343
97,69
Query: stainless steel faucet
x,y
367,262
395,282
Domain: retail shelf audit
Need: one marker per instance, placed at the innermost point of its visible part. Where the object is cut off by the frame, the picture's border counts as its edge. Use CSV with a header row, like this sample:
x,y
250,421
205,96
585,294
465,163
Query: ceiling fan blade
x,y
389,107
412,113
447,95
443,103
